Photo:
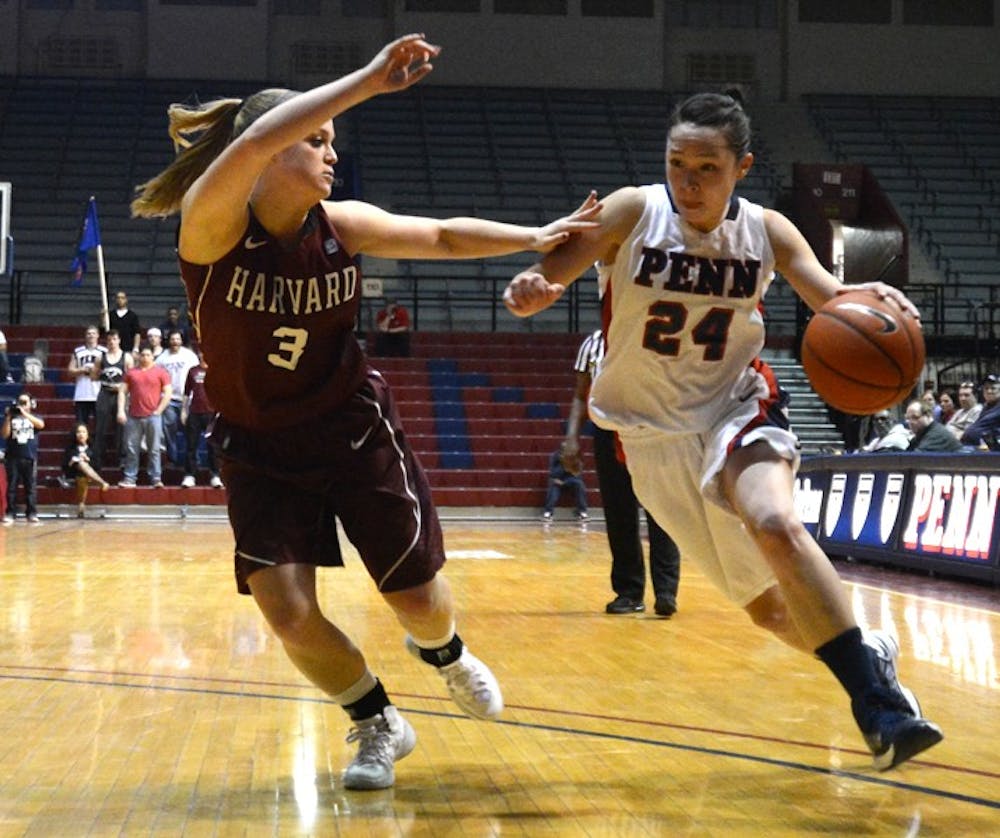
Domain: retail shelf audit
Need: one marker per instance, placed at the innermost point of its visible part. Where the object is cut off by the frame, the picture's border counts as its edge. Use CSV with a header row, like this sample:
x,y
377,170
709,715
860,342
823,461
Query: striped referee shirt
x,y
590,353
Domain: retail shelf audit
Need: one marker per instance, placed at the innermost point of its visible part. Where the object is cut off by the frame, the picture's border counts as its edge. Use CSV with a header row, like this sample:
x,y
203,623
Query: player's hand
x,y
529,293
885,292
402,63
582,218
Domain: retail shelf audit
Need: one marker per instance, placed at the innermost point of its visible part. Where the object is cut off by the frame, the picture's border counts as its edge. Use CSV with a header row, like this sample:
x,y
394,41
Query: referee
x,y
621,509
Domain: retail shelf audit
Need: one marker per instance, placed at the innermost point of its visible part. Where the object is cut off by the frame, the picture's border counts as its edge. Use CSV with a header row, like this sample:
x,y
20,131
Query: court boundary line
x,y
699,749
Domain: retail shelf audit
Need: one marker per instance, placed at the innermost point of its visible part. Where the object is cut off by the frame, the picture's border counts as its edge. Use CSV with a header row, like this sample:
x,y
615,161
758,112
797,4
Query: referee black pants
x,y
621,516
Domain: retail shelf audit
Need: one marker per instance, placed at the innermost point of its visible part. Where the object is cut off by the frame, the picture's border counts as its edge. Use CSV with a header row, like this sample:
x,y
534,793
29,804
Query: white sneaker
x,y
188,481
471,684
215,482
382,740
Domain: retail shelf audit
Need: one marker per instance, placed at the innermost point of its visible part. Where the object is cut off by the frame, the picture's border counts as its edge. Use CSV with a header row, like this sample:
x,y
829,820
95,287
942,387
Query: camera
x,y
14,408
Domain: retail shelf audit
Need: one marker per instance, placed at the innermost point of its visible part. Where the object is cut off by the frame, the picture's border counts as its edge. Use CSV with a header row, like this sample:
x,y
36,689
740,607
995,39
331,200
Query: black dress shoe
x,y
665,607
624,605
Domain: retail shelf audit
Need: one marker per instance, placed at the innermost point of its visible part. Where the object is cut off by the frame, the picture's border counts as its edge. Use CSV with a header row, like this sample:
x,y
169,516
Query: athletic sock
x,y
848,660
440,654
363,699
851,663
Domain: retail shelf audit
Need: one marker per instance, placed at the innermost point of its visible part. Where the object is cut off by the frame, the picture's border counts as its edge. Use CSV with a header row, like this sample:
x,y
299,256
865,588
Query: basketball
x,y
862,354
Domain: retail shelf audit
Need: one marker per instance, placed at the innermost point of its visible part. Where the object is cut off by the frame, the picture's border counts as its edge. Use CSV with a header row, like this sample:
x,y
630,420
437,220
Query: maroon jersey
x,y
276,325
194,386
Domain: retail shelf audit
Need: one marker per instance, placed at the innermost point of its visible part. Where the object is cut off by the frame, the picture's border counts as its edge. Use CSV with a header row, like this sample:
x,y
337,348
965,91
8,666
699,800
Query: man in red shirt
x,y
144,395
393,325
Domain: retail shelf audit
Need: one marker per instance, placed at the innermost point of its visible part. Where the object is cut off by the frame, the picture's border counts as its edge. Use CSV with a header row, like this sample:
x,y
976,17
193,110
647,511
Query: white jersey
x,y
177,365
86,389
683,319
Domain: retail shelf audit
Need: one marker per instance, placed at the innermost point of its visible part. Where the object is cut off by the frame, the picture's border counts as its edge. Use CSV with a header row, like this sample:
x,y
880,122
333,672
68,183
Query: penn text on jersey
x,y
679,271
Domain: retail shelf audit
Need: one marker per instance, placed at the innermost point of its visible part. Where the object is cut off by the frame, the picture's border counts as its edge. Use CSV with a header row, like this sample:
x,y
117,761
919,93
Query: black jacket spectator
x,y
934,437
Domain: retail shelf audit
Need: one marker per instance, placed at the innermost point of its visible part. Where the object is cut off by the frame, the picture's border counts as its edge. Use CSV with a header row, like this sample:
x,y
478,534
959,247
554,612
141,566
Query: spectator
x,y
928,433
20,428
78,466
984,431
888,436
5,376
930,398
947,403
80,368
176,359
126,323
565,475
173,323
144,395
392,325
196,415
968,410
154,337
109,373
621,509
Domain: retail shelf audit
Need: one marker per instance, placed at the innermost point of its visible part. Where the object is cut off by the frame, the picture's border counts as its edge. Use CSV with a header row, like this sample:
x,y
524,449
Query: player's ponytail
x,y
200,134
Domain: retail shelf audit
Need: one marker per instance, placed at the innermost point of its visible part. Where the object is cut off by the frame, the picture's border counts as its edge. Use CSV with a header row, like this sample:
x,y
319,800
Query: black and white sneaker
x,y
886,653
898,737
900,732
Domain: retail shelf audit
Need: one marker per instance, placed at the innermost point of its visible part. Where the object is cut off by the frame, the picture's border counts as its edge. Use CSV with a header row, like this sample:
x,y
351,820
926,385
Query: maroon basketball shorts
x,y
287,487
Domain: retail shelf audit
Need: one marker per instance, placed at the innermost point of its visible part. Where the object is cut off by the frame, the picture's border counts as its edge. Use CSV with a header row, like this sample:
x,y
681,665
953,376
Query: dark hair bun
x,y
735,94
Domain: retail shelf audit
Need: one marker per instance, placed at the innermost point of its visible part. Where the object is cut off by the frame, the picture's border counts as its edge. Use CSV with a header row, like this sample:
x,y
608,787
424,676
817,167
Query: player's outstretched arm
x,y
538,287
368,229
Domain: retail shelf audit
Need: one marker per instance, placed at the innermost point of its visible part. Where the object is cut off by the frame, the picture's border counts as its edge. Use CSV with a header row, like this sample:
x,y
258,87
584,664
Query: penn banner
x,y
935,512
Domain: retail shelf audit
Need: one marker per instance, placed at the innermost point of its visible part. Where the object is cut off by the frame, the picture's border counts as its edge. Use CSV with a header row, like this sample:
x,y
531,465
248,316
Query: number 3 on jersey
x,y
667,319
291,345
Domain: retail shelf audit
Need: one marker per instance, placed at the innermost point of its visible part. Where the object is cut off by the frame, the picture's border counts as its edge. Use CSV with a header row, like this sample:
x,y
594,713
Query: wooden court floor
x,y
139,695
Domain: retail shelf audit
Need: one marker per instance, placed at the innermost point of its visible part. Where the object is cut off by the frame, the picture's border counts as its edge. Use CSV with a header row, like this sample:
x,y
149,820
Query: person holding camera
x,y
20,429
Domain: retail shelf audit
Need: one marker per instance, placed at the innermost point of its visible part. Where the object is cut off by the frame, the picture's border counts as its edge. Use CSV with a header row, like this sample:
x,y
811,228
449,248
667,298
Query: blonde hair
x,y
200,133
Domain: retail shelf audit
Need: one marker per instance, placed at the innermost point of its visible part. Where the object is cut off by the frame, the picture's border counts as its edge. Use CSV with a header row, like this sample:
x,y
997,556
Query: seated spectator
x,y
5,376
968,409
392,324
930,398
564,473
173,323
888,436
947,401
987,427
928,434
77,467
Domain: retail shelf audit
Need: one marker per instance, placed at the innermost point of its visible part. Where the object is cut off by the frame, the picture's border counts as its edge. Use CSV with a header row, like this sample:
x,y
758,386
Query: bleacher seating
x,y
483,416
939,160
525,156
